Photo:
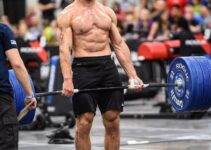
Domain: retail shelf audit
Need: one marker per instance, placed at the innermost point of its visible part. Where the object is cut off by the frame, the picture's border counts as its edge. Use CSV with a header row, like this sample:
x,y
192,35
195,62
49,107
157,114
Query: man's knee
x,y
111,121
84,123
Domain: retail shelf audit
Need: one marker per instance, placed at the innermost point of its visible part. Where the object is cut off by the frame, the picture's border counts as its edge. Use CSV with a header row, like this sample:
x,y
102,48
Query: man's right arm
x,y
64,36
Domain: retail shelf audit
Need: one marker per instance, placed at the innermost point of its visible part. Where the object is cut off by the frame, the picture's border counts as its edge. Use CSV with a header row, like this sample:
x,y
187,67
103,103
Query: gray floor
x,y
137,134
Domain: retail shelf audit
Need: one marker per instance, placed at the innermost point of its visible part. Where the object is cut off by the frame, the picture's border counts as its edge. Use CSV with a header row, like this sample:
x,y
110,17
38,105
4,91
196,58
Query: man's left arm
x,y
122,51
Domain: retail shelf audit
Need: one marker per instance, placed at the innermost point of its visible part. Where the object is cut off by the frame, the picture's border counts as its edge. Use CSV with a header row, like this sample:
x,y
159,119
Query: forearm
x,y
23,77
123,55
194,28
45,7
65,63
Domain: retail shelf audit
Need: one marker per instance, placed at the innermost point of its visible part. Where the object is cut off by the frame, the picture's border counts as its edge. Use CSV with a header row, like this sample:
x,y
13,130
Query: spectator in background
x,y
118,11
158,7
120,27
204,2
49,32
197,7
172,3
120,17
189,23
160,28
35,29
144,23
129,26
32,11
128,6
47,8
207,19
147,4
144,3
203,14
175,17
23,31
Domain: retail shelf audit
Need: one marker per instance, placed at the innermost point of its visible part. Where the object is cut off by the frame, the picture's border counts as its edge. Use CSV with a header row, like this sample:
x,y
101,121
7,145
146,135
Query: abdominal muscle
x,y
93,43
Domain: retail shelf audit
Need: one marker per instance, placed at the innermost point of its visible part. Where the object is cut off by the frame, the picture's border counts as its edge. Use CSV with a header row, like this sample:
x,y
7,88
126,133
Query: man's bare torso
x,y
90,29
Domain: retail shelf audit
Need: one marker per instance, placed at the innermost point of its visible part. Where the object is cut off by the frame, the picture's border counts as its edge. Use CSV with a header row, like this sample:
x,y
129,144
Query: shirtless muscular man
x,y
87,27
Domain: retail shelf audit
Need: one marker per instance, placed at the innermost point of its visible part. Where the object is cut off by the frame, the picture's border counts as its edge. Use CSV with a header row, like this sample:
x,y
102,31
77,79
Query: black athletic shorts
x,y
95,72
8,123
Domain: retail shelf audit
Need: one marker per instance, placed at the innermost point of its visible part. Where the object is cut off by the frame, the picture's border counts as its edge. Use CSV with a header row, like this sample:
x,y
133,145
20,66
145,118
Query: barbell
x,y
188,85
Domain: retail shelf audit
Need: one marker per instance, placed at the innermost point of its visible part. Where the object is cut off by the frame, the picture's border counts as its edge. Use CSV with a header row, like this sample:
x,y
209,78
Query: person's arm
x,y
194,26
64,37
122,51
20,70
153,31
48,6
17,64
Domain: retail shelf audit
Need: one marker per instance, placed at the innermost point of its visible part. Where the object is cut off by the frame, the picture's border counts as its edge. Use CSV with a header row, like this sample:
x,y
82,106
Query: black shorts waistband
x,y
96,58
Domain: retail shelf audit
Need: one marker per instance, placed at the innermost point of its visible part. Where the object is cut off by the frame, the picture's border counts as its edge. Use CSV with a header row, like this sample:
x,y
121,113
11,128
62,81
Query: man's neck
x,y
87,3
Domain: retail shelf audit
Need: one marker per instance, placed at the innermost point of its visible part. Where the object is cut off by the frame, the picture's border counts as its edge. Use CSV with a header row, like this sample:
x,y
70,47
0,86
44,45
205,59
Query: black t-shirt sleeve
x,y
8,39
183,24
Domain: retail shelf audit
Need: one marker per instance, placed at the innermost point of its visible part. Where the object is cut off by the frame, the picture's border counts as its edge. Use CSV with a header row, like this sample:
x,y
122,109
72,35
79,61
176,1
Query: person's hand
x,y
33,102
68,88
136,84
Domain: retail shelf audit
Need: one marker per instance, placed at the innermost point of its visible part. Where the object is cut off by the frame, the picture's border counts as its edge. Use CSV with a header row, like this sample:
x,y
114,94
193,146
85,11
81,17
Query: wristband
x,y
133,83
30,96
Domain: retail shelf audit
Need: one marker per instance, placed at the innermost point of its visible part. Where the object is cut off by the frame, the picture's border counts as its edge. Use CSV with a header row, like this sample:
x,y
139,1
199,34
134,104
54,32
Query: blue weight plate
x,y
200,94
206,84
181,100
19,96
209,81
197,84
208,66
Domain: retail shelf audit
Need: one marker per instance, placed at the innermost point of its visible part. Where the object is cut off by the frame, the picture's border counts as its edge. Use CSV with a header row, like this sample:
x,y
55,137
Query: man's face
x,y
175,12
160,5
189,12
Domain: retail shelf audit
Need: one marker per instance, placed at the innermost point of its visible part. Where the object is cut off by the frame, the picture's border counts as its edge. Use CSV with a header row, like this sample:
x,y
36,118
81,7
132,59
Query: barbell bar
x,y
75,91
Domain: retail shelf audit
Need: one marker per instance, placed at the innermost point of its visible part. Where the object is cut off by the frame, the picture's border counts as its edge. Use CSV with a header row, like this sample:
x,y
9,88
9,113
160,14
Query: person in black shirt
x,y
47,7
8,118
188,23
175,17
